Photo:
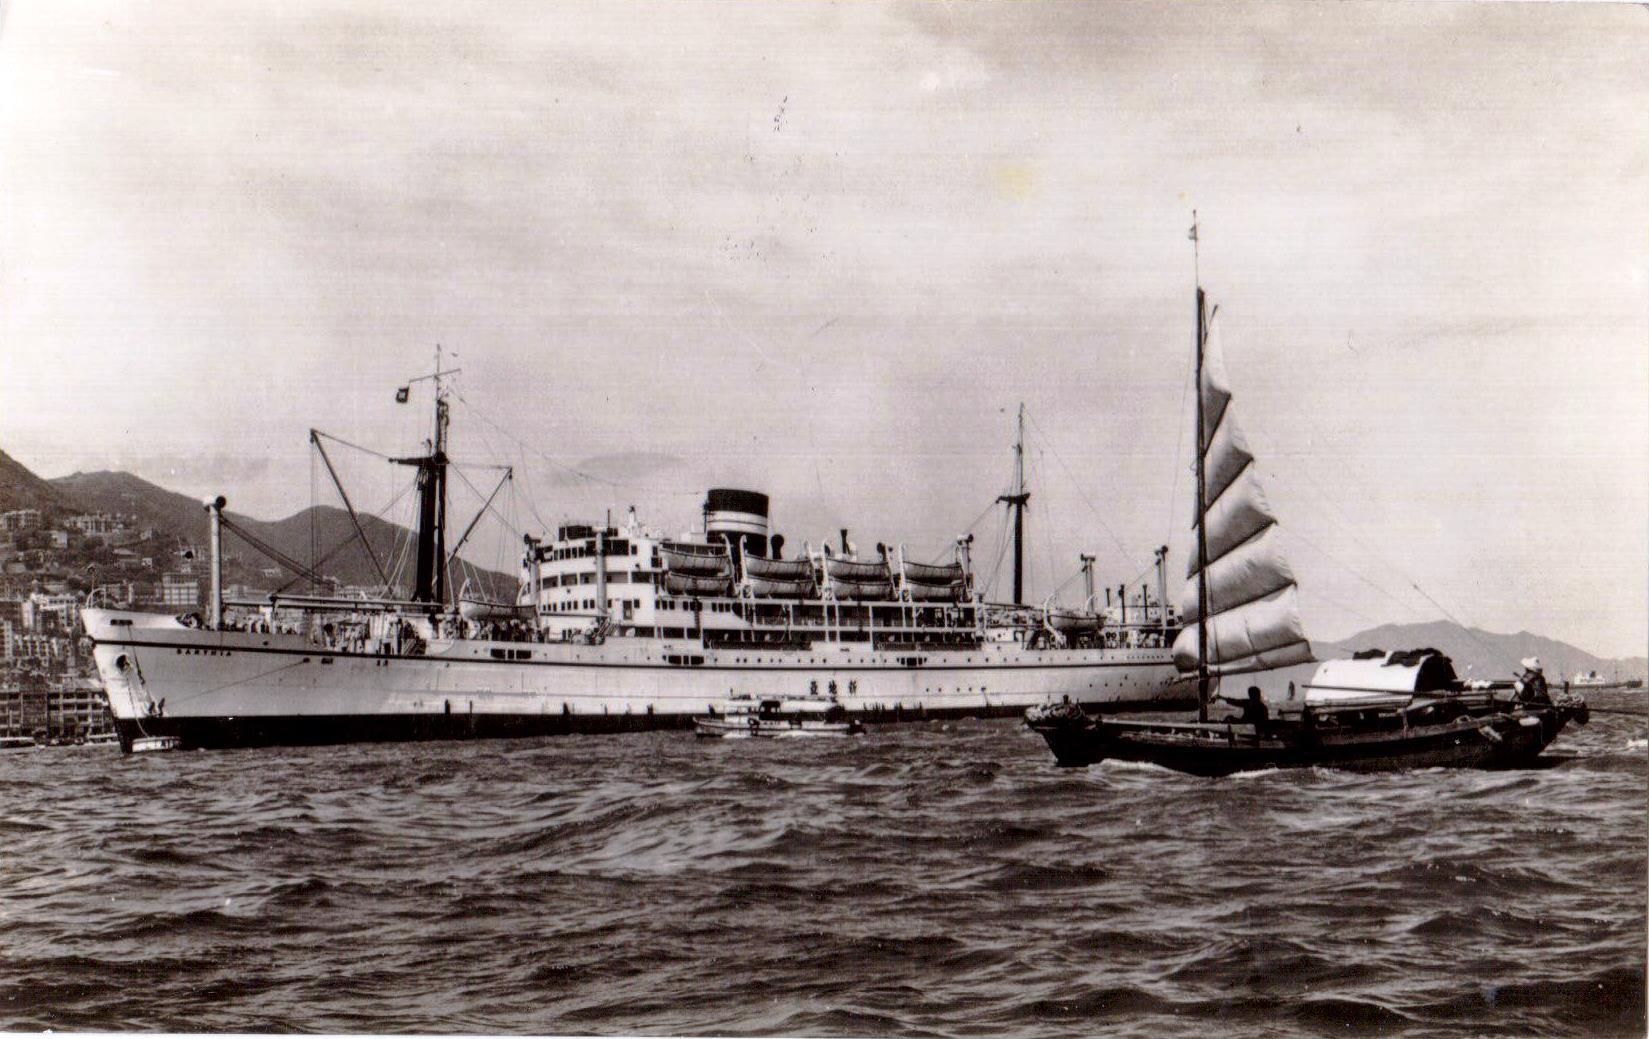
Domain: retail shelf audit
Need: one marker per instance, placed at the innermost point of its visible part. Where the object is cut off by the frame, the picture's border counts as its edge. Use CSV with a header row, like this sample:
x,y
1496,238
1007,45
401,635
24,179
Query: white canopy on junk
x,y
1253,603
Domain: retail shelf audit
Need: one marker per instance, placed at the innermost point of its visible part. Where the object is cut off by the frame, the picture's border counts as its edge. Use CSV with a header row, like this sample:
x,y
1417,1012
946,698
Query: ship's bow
x,y
117,653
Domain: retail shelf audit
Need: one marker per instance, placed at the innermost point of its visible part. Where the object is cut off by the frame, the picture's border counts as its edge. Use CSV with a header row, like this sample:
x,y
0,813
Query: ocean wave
x,y
1096,1004
1480,922
1149,767
1046,876
919,881
1607,1002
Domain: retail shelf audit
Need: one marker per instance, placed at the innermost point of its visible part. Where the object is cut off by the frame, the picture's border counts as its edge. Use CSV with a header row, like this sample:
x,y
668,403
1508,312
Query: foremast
x,y
430,570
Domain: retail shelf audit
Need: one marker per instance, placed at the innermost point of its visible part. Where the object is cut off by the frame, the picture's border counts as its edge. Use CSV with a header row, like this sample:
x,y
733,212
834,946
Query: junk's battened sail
x,y
1253,605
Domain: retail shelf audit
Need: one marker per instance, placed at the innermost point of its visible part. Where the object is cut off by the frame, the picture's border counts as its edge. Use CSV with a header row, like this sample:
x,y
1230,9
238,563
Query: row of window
x,y
700,605
848,613
617,604
587,551
589,577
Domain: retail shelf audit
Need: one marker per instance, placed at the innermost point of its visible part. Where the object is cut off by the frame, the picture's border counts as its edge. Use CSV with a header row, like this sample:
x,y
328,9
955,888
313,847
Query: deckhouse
x,y
730,583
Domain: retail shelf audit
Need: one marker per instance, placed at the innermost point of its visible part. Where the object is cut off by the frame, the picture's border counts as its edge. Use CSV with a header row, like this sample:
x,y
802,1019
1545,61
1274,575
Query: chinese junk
x,y
617,628
1378,712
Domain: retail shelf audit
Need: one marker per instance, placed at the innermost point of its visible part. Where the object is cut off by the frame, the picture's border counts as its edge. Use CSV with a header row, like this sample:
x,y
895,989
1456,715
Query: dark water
x,y
929,879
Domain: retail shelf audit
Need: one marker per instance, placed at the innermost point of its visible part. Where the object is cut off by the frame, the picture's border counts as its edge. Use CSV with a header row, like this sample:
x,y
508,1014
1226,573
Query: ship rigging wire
x,y
466,569
1179,444
397,557
1356,535
523,471
346,443
566,468
1345,522
316,564
1493,651
267,549
1047,443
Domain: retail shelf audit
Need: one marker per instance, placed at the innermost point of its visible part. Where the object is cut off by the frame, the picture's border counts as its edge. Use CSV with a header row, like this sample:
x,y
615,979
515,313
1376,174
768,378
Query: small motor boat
x,y
746,717
151,744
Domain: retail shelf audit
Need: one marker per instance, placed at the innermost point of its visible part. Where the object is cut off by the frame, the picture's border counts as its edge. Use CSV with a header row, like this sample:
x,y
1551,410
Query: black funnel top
x,y
728,499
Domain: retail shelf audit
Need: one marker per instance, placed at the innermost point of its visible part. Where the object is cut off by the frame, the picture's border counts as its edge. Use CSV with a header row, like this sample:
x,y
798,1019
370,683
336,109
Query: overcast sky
x,y
825,250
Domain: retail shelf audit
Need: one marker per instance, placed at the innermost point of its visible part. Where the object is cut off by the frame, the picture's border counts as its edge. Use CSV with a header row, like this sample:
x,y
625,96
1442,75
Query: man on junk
x,y
1530,686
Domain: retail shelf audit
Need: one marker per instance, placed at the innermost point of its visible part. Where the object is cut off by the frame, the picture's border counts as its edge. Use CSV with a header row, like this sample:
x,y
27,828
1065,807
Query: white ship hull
x,y
241,688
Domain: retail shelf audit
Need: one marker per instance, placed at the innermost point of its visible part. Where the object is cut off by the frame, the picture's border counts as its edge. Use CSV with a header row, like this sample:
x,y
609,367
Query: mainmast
x,y
1016,501
430,573
1162,589
1202,491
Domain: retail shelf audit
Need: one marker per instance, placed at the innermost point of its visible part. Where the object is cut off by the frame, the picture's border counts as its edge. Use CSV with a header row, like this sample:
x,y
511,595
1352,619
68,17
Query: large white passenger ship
x,y
619,628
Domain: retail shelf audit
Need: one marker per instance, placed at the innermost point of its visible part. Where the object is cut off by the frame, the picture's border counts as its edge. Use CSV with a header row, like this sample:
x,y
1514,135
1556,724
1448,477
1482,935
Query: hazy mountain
x,y
21,489
324,527
1487,654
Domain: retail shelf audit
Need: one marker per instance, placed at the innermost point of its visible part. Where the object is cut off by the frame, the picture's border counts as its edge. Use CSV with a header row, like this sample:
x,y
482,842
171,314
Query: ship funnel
x,y
739,518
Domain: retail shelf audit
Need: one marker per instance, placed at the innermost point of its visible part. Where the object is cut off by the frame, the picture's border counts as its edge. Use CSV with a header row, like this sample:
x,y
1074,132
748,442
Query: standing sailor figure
x,y
1254,710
